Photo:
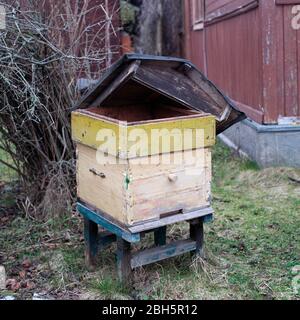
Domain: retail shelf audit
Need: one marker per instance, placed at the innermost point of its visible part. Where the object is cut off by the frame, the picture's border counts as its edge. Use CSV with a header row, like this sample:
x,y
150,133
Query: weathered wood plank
x,y
208,212
91,244
216,10
161,253
233,47
123,261
280,64
286,2
291,64
197,234
87,125
108,225
106,194
298,65
160,236
270,59
119,81
134,192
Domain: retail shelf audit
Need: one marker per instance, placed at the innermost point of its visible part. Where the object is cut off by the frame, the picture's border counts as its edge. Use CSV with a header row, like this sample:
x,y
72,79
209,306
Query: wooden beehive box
x,y
144,136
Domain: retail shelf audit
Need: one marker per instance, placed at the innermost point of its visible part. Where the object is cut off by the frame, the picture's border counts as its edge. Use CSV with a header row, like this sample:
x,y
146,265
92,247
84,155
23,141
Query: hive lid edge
x,y
121,64
124,62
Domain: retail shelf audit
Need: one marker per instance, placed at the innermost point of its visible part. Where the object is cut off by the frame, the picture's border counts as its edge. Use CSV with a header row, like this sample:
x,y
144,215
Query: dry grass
x,y
251,247
42,57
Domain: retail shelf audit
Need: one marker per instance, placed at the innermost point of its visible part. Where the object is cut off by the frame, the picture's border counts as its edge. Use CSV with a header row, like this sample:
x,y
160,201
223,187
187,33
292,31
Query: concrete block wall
x,y
268,145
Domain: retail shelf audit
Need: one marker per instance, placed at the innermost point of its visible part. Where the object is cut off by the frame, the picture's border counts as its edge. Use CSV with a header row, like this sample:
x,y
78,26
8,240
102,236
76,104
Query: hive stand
x,y
125,237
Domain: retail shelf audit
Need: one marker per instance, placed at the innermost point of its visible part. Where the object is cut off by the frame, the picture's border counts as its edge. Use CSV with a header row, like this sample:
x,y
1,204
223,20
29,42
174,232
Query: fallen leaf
x,y
13,284
27,285
30,285
22,274
26,264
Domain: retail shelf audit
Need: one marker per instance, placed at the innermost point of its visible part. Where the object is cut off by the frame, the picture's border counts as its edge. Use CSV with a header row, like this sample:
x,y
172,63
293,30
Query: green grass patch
x,y
257,226
6,173
252,247
111,288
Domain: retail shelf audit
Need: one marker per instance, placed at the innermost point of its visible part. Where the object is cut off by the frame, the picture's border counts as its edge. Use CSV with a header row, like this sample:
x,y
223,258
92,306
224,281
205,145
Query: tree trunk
x,y
160,28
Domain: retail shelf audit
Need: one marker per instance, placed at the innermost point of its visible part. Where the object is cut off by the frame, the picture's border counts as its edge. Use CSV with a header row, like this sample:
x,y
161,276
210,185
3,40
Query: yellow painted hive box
x,y
158,177
144,136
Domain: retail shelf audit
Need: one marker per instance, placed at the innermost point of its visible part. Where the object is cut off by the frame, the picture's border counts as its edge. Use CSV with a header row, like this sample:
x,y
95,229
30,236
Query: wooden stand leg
x,y
197,234
91,245
124,261
160,236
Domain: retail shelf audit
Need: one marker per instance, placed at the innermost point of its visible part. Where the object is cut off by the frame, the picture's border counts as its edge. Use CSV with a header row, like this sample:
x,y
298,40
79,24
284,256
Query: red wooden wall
x,y
290,68
250,50
97,33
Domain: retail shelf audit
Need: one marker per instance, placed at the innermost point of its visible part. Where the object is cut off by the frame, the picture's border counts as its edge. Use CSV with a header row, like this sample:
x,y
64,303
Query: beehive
x,y
144,136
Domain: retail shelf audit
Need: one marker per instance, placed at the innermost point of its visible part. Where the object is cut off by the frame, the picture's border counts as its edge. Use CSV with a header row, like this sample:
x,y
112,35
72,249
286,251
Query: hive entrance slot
x,y
171,214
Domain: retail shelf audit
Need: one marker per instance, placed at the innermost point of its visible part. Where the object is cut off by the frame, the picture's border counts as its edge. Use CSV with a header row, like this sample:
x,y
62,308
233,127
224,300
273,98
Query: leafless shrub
x,y
46,46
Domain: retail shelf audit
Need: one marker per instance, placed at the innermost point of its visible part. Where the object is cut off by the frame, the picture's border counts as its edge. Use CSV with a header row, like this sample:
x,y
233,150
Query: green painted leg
x,y
124,261
160,236
197,234
91,243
